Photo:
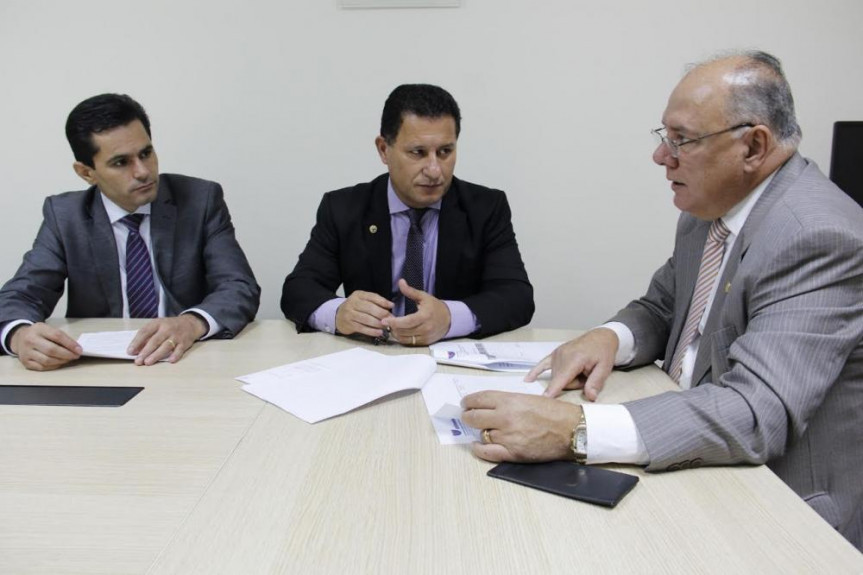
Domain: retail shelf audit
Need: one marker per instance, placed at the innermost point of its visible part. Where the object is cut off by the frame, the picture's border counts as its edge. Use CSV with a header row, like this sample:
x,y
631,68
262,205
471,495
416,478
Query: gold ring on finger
x,y
413,340
172,342
486,436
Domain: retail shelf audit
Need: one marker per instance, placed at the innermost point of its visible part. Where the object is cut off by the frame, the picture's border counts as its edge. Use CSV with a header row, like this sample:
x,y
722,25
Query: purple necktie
x,y
412,272
140,288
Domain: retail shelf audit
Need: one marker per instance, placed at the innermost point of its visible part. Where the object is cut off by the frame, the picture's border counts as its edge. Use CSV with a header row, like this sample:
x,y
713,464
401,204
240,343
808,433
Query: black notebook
x,y
77,395
582,482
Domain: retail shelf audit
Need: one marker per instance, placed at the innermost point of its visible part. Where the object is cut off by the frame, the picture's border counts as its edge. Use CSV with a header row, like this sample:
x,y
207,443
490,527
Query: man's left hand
x,y
167,337
521,427
429,324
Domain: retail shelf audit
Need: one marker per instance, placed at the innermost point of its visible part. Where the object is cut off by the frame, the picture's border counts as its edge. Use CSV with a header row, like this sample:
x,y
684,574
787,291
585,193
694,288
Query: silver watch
x,y
578,444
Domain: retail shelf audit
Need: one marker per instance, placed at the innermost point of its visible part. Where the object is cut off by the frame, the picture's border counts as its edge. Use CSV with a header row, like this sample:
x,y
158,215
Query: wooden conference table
x,y
196,476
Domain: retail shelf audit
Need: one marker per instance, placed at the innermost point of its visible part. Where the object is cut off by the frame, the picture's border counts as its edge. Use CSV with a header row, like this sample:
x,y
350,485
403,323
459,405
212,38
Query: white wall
x,y
280,101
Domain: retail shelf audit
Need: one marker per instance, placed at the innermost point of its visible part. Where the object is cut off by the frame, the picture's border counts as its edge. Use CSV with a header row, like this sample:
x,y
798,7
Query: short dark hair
x,y
97,114
423,100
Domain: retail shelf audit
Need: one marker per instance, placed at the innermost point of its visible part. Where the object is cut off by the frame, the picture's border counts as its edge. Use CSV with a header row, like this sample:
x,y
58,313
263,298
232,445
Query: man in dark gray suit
x,y
758,314
135,244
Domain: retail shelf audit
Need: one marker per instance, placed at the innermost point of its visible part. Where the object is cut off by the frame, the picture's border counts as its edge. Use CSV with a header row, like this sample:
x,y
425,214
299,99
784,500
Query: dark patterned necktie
x,y
412,272
140,288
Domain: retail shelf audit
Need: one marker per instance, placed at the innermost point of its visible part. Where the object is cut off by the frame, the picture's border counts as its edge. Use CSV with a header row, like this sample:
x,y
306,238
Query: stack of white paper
x,y
110,344
493,356
330,385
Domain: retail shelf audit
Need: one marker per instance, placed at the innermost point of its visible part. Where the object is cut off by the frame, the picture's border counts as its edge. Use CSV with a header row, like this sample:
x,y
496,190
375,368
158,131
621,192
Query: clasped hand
x,y
370,314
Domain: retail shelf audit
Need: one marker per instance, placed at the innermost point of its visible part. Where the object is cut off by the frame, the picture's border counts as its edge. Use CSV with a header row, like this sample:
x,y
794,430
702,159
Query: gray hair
x,y
759,93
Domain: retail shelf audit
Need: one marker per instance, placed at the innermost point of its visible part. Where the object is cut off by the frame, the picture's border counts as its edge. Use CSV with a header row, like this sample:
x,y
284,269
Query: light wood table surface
x,y
196,476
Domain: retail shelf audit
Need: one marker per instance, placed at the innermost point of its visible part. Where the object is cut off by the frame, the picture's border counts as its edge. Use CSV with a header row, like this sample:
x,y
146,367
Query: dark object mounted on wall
x,y
846,161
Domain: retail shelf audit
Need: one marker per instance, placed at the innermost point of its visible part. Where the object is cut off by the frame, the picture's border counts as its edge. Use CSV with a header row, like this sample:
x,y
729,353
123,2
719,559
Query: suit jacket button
x,y
373,229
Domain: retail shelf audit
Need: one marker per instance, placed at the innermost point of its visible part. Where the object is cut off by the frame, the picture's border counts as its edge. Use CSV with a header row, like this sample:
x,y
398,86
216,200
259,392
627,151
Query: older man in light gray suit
x,y
758,314
135,244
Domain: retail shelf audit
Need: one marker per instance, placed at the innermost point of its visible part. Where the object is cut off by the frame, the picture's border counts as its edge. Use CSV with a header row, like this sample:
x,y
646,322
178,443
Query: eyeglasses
x,y
675,145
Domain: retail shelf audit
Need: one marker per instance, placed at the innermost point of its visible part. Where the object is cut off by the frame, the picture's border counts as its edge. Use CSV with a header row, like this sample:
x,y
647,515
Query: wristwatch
x,y
578,444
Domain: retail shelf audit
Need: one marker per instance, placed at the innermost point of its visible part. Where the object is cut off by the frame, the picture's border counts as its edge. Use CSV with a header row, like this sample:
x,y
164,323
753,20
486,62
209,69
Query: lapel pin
x,y
373,229
728,287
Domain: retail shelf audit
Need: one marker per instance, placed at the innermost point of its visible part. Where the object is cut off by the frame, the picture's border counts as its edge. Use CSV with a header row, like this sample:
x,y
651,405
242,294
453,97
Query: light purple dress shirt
x,y
462,320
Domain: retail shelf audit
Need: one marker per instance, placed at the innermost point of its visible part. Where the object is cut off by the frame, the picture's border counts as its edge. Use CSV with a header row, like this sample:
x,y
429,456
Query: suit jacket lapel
x,y
163,225
688,261
781,181
103,246
379,241
703,358
452,230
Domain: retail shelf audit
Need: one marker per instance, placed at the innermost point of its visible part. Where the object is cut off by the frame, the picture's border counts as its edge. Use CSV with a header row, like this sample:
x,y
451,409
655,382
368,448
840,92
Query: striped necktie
x,y
711,260
412,272
140,288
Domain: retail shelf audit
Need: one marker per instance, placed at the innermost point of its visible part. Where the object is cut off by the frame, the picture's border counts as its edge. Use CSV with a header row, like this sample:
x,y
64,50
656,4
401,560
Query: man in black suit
x,y
422,255
135,244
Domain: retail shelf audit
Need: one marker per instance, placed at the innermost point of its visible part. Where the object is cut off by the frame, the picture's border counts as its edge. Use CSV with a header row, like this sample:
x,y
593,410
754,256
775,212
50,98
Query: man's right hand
x,y
41,347
585,362
362,313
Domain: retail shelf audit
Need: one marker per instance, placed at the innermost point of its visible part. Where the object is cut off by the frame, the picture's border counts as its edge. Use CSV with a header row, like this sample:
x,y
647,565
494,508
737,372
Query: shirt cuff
x,y
612,436
462,322
215,327
626,342
7,329
324,318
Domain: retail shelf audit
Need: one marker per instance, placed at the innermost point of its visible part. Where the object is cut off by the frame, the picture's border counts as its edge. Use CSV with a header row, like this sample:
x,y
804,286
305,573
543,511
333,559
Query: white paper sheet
x,y
443,394
110,344
511,357
323,387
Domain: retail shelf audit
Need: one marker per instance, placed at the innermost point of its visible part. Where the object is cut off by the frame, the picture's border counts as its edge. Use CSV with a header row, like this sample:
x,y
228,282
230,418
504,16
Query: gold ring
x,y
486,436
413,340
171,341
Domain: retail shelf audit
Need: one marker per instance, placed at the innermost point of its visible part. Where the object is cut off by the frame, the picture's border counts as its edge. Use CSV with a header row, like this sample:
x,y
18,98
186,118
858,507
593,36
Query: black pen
x,y
385,336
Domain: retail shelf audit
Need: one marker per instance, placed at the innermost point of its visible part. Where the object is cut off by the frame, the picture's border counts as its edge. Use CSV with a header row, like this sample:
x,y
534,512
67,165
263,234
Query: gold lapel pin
x,y
373,229
728,287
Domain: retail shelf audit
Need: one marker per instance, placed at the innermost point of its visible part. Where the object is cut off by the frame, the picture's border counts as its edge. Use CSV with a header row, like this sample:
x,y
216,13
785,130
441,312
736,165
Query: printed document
x,y
443,394
495,356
